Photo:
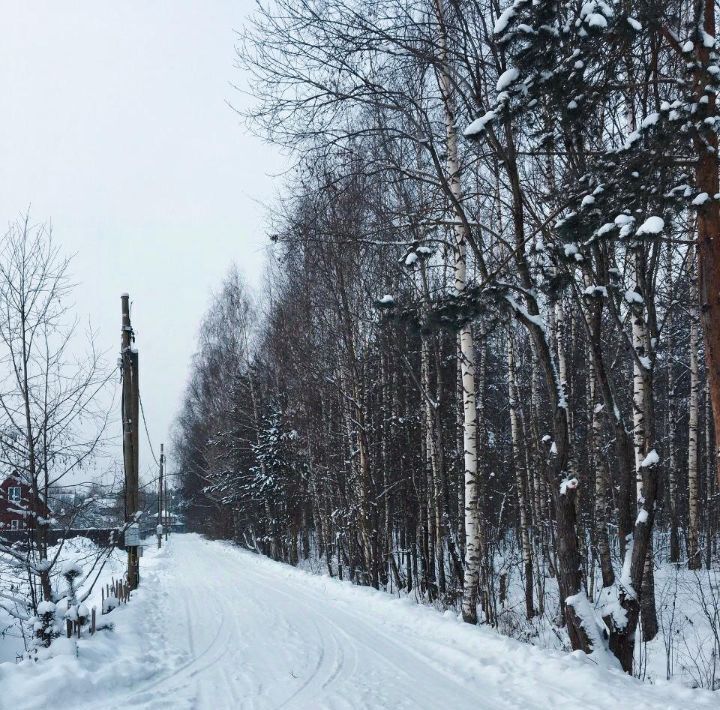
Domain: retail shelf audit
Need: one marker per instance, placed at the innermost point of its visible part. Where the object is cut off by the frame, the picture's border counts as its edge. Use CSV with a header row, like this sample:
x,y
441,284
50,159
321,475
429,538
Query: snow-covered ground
x,y
216,627
98,566
687,645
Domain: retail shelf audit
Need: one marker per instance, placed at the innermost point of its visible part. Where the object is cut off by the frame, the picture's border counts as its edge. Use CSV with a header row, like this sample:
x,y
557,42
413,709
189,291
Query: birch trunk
x,y
466,345
643,431
636,589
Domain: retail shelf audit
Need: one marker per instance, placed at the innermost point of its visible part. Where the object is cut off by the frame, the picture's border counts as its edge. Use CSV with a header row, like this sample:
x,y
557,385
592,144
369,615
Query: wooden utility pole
x,y
167,511
131,438
160,515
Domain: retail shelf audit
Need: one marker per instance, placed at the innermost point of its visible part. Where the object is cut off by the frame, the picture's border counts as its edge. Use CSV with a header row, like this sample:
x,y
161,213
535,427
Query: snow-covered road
x,y
214,627
254,634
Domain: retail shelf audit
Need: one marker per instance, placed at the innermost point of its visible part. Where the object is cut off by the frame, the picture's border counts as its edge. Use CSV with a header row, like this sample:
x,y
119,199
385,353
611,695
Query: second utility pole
x,y
160,498
131,436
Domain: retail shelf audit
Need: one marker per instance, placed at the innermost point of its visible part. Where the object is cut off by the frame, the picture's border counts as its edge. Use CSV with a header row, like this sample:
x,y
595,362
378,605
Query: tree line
x,y
487,349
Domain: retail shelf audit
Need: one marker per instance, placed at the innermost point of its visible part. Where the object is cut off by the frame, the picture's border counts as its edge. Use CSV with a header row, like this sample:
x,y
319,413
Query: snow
x,y
45,608
72,568
215,627
625,576
609,605
642,516
536,320
651,459
595,19
504,19
652,225
650,120
634,24
586,616
632,138
633,297
625,223
568,485
701,199
478,125
387,300
76,553
507,78
596,291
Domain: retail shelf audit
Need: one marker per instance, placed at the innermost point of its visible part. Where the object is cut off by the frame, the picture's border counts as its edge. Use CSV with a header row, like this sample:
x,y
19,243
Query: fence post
x,y
69,628
92,623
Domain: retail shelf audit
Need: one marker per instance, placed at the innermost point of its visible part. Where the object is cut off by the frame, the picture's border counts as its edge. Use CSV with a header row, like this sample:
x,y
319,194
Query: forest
x,y
480,369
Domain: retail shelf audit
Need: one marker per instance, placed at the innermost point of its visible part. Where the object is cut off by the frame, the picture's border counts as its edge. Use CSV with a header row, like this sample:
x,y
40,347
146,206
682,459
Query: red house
x,y
15,507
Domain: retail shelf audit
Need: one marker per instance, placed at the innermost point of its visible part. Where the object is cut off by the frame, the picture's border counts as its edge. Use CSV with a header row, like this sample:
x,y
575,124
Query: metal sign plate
x,y
132,535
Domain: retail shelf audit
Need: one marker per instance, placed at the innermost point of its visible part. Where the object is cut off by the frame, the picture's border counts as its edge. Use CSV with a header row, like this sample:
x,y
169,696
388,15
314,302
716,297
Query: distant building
x,y
80,508
16,509
172,521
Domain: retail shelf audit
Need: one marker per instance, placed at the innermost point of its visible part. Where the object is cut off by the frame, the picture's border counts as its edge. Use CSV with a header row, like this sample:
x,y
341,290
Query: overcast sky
x,y
115,126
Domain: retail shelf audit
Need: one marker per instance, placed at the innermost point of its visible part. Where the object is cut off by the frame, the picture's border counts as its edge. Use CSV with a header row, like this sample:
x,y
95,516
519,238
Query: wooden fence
x,y
113,594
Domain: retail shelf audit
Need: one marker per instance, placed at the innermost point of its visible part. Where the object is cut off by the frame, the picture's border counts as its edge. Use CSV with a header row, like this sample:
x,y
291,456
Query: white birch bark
x,y
466,346
642,427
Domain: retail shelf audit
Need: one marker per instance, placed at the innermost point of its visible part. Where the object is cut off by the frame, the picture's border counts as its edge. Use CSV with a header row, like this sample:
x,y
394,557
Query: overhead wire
x,y
147,433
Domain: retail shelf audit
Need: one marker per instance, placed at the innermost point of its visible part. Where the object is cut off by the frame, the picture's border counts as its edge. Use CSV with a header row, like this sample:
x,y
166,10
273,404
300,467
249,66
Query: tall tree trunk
x,y
693,532
520,478
671,493
465,338
435,575
602,508
708,220
711,487
643,428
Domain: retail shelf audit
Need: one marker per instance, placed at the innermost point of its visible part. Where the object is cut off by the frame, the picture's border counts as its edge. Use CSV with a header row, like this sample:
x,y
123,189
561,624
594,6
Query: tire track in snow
x,y
260,641
181,678
394,649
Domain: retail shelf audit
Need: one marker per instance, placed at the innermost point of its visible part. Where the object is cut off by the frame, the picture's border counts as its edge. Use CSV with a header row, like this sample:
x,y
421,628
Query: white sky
x,y
114,126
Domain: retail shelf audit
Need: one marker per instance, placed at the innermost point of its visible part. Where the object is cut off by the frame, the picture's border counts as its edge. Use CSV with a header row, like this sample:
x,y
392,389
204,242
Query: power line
x,y
147,433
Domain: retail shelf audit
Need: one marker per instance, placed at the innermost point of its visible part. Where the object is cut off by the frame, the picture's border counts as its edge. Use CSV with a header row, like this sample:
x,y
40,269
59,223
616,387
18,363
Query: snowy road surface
x,y
215,627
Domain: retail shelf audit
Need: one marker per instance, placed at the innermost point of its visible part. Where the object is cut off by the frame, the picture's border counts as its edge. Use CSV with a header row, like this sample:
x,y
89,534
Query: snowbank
x,y
73,672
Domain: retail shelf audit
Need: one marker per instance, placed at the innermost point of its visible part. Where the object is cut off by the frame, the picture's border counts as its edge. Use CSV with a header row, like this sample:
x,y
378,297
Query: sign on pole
x,y
132,535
